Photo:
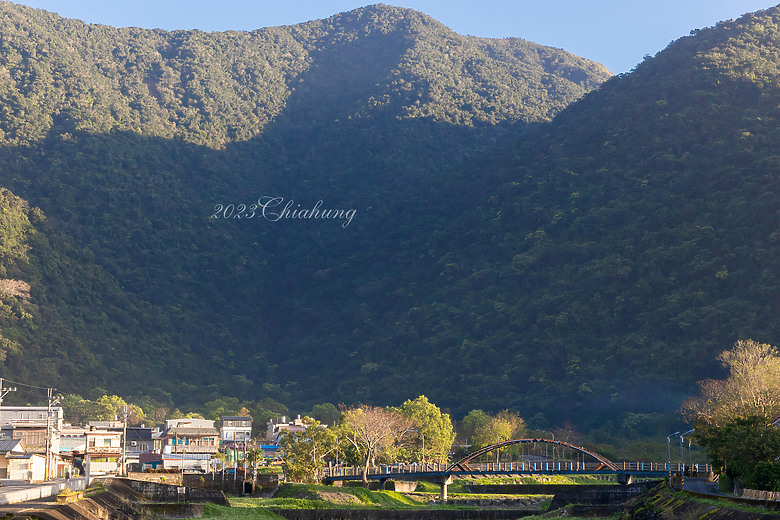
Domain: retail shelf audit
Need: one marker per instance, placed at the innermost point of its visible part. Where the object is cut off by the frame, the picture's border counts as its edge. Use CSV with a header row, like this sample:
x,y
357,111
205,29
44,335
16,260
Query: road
x,y
703,485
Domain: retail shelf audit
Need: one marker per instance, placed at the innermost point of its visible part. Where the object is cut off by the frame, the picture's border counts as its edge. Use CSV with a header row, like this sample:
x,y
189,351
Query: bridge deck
x,y
438,471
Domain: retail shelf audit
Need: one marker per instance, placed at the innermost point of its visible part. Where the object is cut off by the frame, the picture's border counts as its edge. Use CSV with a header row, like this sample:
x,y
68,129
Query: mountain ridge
x,y
155,67
587,267
127,138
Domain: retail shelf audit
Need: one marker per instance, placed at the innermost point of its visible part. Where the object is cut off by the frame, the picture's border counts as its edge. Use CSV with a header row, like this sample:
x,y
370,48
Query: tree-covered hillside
x,y
588,269
129,139
635,238
64,76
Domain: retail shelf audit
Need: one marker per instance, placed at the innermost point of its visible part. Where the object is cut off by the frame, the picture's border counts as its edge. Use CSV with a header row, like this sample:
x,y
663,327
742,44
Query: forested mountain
x,y
635,238
119,272
509,247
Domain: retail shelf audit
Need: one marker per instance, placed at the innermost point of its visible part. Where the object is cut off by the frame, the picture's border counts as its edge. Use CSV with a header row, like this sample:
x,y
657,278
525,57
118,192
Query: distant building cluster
x,y
36,444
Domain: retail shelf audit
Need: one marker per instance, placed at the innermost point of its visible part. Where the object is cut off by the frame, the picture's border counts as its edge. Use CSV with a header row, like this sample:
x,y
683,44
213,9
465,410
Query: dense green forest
x,y
128,139
527,233
634,238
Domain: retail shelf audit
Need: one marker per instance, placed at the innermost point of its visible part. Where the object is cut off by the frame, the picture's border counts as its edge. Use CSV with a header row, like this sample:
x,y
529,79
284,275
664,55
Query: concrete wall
x,y
170,493
36,491
543,489
175,510
755,494
234,484
162,478
600,495
401,514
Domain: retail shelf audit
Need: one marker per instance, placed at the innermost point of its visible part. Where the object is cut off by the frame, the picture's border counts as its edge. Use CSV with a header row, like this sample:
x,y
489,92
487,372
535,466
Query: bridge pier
x,y
625,478
444,482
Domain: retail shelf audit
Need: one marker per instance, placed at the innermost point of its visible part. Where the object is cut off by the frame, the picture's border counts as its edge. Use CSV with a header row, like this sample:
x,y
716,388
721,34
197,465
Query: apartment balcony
x,y
104,450
193,448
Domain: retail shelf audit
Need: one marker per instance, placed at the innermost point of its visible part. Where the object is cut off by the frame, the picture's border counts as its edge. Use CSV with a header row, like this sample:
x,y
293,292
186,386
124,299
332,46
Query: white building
x,y
236,429
16,463
103,453
36,415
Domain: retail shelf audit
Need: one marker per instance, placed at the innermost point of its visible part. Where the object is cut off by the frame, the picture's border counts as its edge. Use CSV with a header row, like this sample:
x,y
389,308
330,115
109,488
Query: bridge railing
x,y
520,467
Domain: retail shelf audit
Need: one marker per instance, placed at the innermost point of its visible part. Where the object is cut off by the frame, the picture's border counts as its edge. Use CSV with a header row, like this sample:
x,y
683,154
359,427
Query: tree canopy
x,y
752,388
433,428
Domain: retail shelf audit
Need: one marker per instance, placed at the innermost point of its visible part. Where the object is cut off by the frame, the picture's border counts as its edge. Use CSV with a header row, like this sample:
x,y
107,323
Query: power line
x,y
33,386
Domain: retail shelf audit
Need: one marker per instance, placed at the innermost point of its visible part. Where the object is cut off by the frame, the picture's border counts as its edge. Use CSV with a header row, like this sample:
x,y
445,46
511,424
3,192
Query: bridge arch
x,y
462,464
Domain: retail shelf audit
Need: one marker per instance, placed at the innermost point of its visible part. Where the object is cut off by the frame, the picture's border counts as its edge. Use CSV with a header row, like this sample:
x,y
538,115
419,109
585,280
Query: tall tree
x,y
370,429
502,427
733,415
752,387
433,429
474,420
740,446
326,413
304,451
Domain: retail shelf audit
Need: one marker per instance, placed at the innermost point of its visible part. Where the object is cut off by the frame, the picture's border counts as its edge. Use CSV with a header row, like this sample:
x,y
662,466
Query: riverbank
x,y
661,503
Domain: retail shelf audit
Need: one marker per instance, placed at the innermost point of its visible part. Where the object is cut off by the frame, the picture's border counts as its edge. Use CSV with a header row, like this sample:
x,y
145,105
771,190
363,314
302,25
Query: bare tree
x,y
751,389
372,429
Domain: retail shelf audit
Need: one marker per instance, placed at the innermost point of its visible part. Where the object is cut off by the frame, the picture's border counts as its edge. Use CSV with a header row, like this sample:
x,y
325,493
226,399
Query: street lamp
x,y
547,443
682,458
553,438
669,450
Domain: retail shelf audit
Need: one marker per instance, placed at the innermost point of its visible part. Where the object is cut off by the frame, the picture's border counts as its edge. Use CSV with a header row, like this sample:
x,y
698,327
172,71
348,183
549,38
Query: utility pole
x,y
52,401
124,445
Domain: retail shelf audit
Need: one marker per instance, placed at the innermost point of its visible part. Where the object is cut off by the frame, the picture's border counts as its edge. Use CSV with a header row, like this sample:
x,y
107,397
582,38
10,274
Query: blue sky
x,y
617,33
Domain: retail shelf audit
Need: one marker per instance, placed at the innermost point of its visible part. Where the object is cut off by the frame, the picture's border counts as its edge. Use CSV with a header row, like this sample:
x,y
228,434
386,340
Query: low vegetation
x,y
301,496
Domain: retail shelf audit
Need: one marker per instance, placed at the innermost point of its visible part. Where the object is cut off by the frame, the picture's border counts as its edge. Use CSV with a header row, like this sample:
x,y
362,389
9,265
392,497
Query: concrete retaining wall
x,y
265,485
530,489
612,496
163,478
402,514
491,503
36,491
175,510
755,494
168,493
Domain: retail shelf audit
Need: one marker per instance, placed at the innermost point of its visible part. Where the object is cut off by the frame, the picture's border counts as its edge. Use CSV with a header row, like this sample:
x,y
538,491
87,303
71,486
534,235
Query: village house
x,y
73,439
103,452
189,444
9,448
276,429
139,440
34,425
30,424
236,429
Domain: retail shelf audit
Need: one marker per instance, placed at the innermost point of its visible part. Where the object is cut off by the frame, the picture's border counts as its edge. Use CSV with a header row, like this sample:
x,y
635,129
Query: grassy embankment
x,y
295,496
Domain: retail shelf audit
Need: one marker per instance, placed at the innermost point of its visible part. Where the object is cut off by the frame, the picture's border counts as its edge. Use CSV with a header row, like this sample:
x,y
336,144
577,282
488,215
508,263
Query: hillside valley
x,y
527,233
126,140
